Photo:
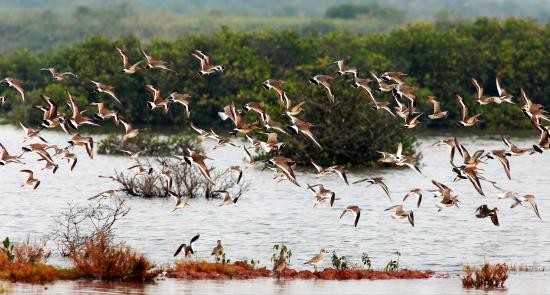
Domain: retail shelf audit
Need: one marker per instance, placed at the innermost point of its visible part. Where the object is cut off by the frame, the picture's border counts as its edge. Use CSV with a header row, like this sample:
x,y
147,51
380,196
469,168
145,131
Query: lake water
x,y
272,212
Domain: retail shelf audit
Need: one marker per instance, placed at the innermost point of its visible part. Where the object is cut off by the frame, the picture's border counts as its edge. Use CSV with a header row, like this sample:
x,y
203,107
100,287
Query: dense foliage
x,y
439,60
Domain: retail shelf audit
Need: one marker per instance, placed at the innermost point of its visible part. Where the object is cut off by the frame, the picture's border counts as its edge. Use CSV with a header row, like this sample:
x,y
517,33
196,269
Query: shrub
x,y
149,144
101,259
486,276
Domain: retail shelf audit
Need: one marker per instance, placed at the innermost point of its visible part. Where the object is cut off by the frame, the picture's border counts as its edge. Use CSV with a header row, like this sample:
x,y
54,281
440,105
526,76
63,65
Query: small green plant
x,y
393,265
339,262
7,248
254,263
365,258
281,249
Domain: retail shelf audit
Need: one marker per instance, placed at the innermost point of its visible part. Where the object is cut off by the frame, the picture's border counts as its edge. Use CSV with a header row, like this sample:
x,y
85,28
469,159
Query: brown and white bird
x,y
128,68
86,141
437,113
450,143
107,89
6,158
227,200
485,100
103,112
355,210
302,127
51,118
317,259
322,194
130,131
402,214
70,157
393,76
157,101
325,82
383,86
183,99
338,169
415,192
77,119
285,166
15,84
501,156
31,133
277,86
218,251
187,249
236,172
105,194
207,68
377,181
529,199
514,150
30,181
483,212
343,69
153,63
59,76
195,159
272,144
142,170
180,201
467,120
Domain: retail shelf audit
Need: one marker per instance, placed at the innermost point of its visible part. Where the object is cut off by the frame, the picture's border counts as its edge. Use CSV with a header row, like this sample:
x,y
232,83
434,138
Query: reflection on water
x,y
271,212
518,283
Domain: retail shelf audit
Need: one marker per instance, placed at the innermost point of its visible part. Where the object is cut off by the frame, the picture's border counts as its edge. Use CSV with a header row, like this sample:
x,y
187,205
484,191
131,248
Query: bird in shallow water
x,y
483,211
355,210
187,249
217,252
402,214
317,259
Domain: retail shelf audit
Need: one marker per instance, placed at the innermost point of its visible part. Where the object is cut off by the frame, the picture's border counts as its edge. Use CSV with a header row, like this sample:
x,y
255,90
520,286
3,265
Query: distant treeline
x,y
438,60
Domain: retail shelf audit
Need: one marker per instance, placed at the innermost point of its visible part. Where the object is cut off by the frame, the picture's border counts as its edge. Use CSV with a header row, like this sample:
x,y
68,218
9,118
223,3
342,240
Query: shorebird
x,y
382,85
85,141
249,159
230,112
532,110
363,84
130,132
31,133
77,119
325,82
167,175
401,214
180,201
448,201
513,149
414,192
355,210
132,155
338,169
322,195
437,113
217,252
158,101
2,100
227,200
106,194
237,173
484,100
317,259
272,143
285,166
207,67
31,181
128,68
472,174
393,76
15,84
280,264
103,112
184,99
51,118
466,120
258,107
141,169
501,156
378,181
187,249
412,121
277,86
50,163
59,76
302,127
406,91
483,211
203,134
107,89
294,110
196,159
70,157
505,194
153,63
530,199
269,123
343,69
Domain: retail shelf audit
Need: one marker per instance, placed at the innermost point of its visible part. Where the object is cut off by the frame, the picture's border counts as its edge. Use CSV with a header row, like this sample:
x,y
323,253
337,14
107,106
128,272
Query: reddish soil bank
x,y
242,270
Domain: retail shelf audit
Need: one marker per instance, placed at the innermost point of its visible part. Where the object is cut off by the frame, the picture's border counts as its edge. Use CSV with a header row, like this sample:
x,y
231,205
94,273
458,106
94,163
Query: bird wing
x,y
478,87
357,216
505,164
462,106
125,59
474,179
179,250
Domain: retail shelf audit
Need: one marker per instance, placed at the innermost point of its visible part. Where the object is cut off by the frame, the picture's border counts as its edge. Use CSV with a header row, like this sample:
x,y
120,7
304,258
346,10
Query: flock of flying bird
x,y
390,82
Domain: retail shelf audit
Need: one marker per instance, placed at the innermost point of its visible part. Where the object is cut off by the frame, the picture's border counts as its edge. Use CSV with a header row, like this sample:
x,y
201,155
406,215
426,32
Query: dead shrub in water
x,y
26,262
77,225
187,181
101,259
486,276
